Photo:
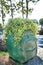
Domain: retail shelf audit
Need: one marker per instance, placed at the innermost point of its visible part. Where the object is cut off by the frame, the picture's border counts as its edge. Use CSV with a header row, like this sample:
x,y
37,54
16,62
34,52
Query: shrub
x,y
41,21
17,27
41,32
35,21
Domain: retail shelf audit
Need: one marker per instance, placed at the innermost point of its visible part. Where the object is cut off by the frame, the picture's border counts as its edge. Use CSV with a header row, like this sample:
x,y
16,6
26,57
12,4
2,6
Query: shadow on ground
x,y
35,61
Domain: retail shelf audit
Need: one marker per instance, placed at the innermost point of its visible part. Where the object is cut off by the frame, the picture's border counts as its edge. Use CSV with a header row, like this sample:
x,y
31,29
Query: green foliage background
x,y
41,21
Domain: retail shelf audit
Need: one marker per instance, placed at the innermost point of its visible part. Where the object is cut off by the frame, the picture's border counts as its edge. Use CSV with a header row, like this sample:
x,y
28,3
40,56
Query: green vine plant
x,y
18,26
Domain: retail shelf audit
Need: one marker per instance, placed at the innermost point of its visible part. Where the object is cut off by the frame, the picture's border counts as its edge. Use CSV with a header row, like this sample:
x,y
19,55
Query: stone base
x,y
5,60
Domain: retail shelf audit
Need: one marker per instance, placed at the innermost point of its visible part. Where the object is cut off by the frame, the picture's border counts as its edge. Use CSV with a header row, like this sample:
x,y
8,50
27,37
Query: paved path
x,y
40,52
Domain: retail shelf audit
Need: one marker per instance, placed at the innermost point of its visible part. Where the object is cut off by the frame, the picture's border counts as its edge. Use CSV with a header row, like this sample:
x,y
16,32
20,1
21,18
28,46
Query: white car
x,y
40,40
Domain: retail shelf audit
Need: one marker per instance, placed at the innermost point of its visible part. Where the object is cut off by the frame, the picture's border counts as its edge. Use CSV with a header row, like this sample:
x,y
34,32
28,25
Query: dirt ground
x,y
38,60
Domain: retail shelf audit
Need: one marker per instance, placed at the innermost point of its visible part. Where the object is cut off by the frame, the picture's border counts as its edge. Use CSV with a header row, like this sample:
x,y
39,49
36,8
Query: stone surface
x,y
35,61
38,60
4,59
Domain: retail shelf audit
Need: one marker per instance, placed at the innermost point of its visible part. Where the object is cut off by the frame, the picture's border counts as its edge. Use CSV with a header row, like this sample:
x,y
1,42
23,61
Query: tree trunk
x,y
26,8
11,9
22,9
2,12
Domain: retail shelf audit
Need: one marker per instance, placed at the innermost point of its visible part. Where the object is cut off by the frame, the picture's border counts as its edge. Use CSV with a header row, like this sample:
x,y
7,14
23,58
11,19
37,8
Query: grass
x,y
3,53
